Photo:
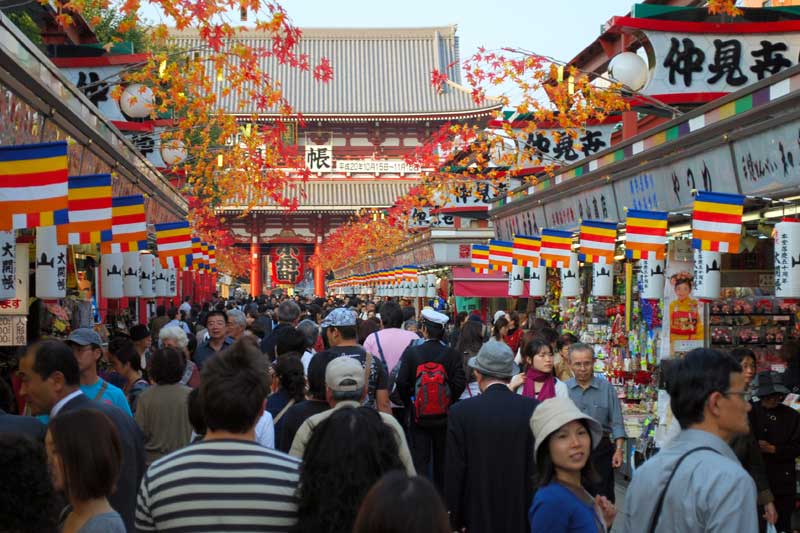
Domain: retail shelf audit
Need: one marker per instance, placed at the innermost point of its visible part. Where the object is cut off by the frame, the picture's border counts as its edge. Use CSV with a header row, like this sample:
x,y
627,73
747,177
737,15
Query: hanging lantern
x,y
131,270
160,275
787,259
652,278
173,152
430,292
707,275
111,269
629,69
8,258
538,281
172,282
570,286
602,280
51,264
147,276
137,101
516,281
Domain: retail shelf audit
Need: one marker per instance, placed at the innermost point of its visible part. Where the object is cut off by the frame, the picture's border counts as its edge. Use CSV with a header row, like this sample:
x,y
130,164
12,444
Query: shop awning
x,y
491,285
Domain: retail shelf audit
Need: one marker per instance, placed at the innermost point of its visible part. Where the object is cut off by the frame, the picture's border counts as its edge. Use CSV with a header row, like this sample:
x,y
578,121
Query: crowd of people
x,y
347,415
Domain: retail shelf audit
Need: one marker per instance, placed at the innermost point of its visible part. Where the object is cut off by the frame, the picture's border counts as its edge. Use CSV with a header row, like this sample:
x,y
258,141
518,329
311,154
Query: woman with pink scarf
x,y
538,381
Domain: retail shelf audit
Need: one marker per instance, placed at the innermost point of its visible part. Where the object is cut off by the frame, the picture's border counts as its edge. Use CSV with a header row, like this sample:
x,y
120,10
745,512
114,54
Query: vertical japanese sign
x,y
18,304
787,259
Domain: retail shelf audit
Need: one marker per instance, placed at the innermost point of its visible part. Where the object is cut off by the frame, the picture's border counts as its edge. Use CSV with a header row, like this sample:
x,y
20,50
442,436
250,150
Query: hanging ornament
x,y
516,282
172,282
160,275
787,258
431,289
131,271
538,281
602,280
707,275
8,259
422,285
147,276
111,269
570,286
652,277
51,264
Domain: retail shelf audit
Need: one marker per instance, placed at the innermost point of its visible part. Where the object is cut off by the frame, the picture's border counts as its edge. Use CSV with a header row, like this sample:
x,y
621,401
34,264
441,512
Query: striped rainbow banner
x,y
174,244
500,255
479,258
646,234
34,188
717,221
556,248
128,226
597,240
526,250
212,257
90,213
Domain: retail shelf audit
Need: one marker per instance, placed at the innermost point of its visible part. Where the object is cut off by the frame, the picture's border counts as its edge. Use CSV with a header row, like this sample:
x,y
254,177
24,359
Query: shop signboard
x,y
556,146
669,187
528,222
715,63
597,204
19,304
769,160
320,158
427,217
13,330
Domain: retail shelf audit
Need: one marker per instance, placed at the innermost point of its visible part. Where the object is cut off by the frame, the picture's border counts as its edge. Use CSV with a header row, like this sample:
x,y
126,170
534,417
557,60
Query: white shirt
x,y
265,430
63,401
308,355
186,307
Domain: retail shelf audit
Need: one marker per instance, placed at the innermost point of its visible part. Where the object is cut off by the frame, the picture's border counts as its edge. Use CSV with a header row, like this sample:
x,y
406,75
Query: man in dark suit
x,y
51,385
288,314
489,465
428,435
22,425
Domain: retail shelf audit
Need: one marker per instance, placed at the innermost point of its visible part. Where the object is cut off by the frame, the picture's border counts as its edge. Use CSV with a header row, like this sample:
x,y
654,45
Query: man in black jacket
x,y
427,432
489,467
51,385
288,313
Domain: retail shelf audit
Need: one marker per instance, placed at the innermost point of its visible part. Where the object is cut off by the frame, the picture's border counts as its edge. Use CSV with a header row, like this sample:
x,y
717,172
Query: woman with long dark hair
x,y
84,452
289,383
564,439
347,453
127,363
538,380
470,341
500,329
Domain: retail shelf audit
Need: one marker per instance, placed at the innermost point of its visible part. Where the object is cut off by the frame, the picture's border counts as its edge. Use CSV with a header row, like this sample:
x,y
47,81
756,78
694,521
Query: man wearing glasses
x,y
696,483
597,398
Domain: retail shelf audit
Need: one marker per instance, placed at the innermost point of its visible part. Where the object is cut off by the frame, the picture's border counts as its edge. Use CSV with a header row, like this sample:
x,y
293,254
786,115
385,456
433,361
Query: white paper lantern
x,y
787,259
602,280
629,69
147,276
173,151
653,278
51,264
430,292
707,275
172,282
136,101
570,286
131,271
516,281
111,270
538,281
160,275
8,262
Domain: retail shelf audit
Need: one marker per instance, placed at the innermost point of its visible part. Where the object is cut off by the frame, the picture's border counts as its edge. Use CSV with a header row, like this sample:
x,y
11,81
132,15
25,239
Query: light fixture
x,y
629,69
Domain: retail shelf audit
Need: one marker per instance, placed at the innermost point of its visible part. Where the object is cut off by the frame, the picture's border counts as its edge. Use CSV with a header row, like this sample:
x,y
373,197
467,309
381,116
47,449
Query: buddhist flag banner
x,y
500,255
197,254
204,255
556,248
717,221
89,210
174,244
212,257
33,185
597,241
646,234
128,226
526,250
479,258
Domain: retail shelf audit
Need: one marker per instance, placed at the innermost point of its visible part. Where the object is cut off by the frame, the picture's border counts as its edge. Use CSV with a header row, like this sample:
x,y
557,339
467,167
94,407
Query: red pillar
x,y
630,124
255,267
319,276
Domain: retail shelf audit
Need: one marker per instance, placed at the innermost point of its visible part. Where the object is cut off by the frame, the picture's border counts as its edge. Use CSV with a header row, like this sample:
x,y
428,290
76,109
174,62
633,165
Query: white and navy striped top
x,y
219,485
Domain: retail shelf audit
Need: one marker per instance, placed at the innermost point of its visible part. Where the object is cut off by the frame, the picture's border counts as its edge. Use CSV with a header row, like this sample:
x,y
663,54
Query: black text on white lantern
x,y
652,278
516,281
147,275
431,290
161,280
8,264
131,271
707,275
111,270
602,280
787,259
51,264
538,281
172,282
137,100
570,286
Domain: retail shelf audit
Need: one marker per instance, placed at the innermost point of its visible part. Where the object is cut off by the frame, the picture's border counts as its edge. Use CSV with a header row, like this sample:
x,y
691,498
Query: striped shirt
x,y
219,485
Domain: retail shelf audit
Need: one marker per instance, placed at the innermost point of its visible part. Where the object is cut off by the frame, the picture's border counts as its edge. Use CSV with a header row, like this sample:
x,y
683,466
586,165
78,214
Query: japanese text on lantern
x,y
8,259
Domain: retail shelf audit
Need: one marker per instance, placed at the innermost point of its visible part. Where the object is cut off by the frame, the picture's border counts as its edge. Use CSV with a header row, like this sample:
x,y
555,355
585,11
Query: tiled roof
x,y
336,195
375,72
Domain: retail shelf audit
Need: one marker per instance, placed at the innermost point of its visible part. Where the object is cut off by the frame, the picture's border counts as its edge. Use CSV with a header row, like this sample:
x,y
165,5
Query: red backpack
x,y
432,394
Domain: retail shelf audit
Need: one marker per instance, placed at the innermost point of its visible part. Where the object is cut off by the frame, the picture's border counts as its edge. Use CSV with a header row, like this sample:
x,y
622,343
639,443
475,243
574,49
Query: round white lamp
x,y
628,69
